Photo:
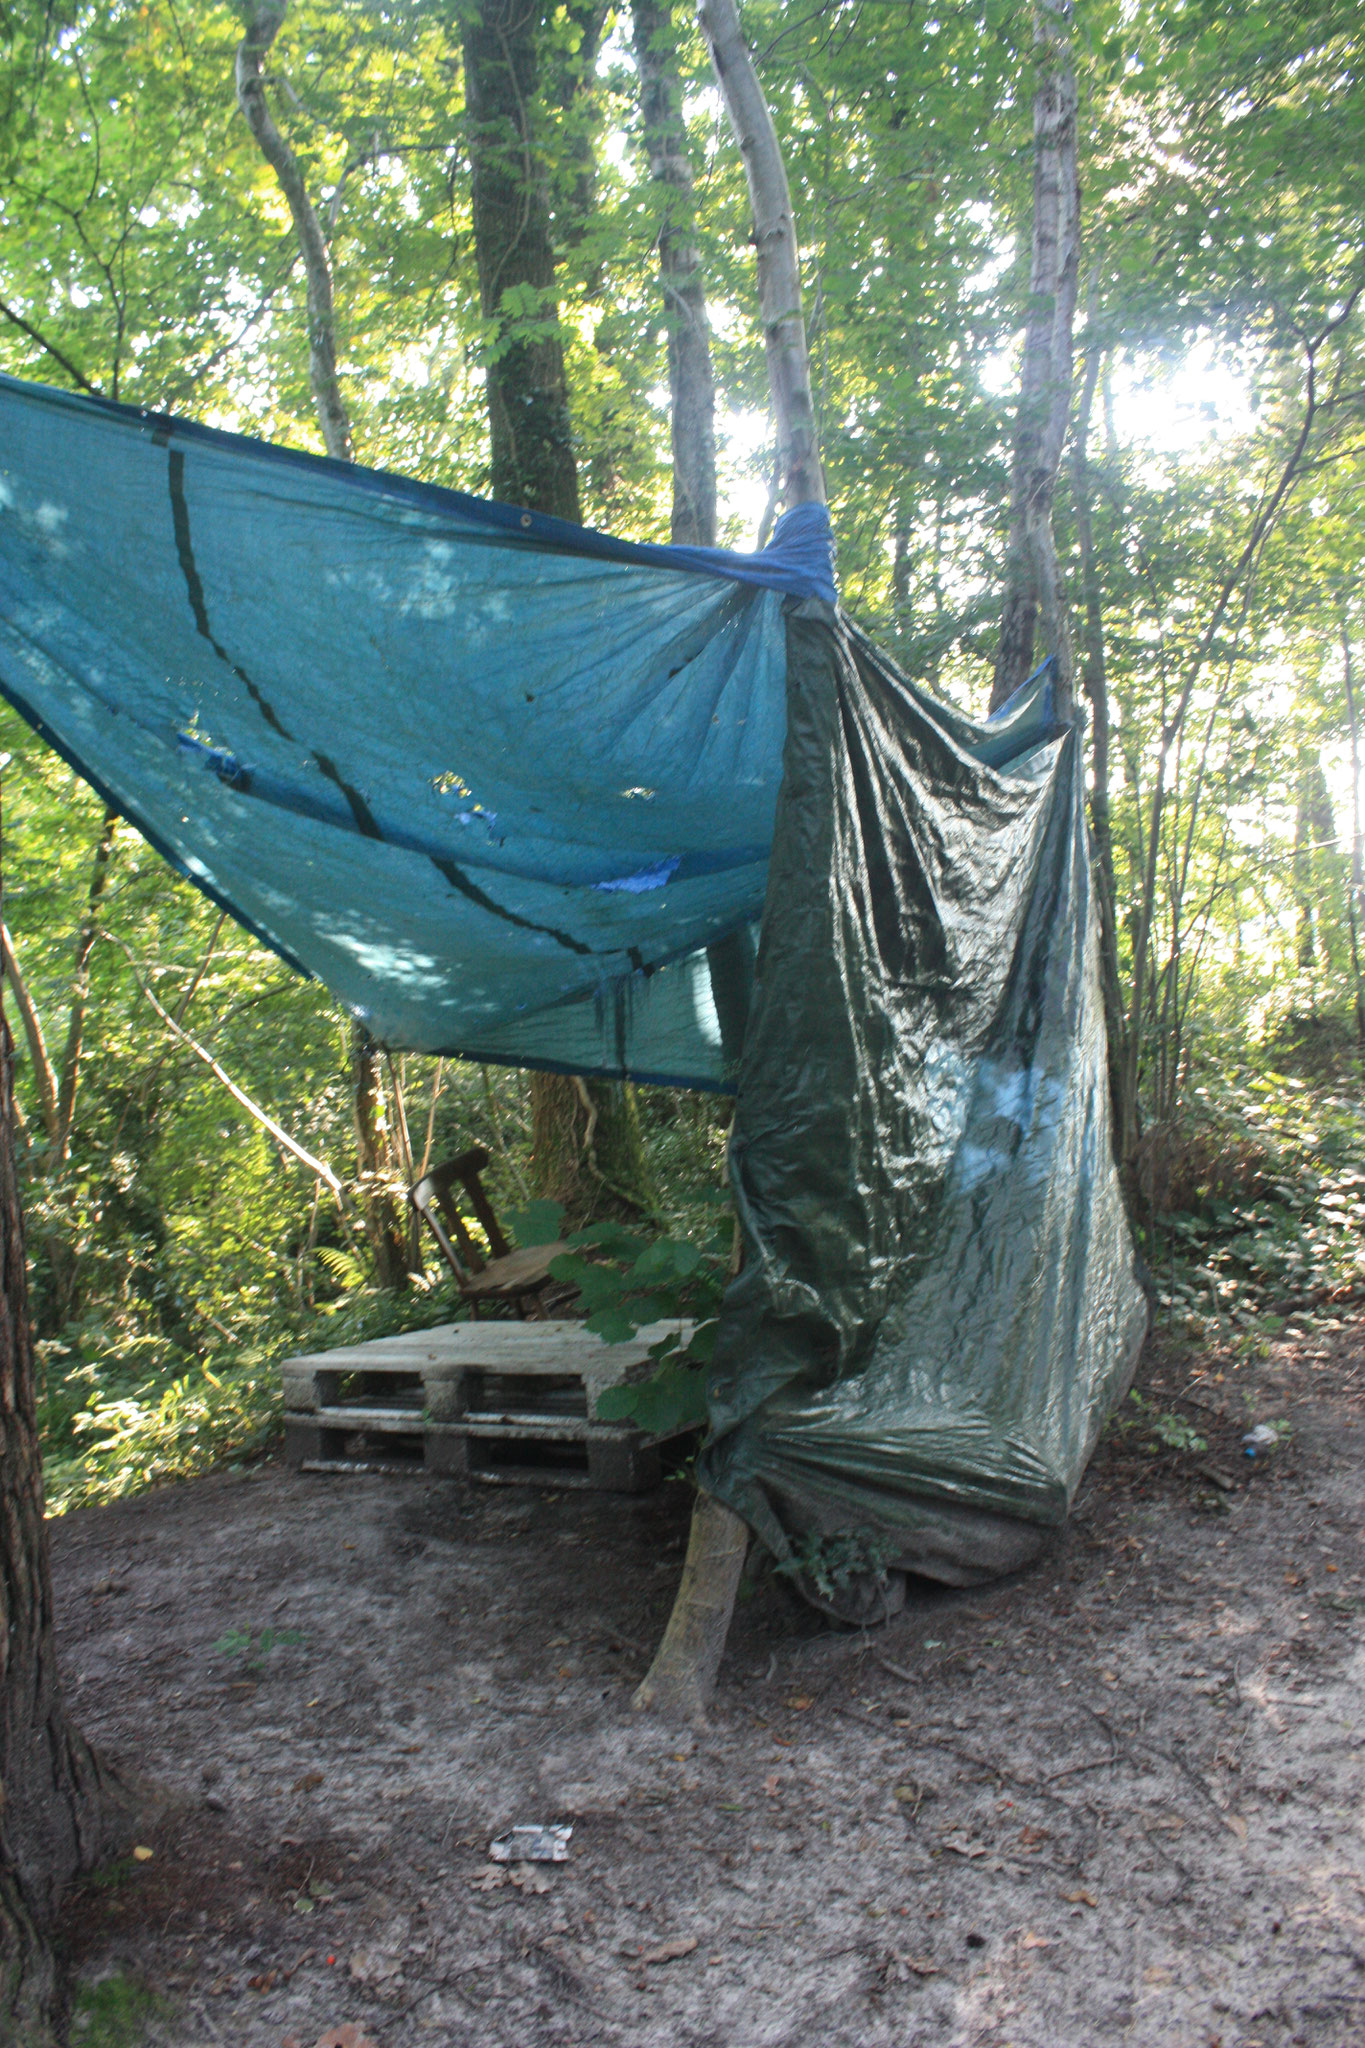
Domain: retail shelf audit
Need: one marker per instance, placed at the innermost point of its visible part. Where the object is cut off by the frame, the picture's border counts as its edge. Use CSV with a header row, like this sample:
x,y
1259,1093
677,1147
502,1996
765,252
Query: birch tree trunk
x,y
263,26
779,263
587,1148
1035,595
375,1170
691,385
1094,680
682,1677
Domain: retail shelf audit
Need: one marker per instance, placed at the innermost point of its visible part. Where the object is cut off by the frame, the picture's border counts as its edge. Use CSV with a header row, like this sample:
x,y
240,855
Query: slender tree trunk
x,y
384,1222
1354,894
587,1150
44,1073
1304,904
80,987
263,25
1034,591
374,1162
1094,678
59,1808
779,262
691,385
681,1678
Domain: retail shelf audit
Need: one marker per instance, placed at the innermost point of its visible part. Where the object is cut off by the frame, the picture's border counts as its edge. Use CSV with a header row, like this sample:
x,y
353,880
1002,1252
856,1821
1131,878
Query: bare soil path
x,y
1116,1800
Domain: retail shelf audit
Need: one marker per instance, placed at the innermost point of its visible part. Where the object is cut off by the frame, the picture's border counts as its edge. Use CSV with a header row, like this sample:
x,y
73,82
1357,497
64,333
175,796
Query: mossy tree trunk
x,y
682,285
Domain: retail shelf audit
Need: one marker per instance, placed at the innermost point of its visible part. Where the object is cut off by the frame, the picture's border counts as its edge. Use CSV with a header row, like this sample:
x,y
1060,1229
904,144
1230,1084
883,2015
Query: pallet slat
x,y
507,1403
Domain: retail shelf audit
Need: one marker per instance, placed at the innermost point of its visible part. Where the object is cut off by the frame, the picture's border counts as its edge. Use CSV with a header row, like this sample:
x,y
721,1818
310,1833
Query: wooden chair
x,y
519,1277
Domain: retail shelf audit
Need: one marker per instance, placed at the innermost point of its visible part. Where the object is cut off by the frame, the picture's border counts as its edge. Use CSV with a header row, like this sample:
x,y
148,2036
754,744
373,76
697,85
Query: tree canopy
x,y
1209,517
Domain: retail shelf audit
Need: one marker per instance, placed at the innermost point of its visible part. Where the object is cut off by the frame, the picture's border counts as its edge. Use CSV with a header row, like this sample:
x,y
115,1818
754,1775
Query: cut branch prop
x,y
683,1675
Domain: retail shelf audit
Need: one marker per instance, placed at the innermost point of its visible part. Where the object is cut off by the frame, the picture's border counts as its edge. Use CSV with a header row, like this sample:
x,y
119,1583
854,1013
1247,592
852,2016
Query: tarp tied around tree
x,y
523,792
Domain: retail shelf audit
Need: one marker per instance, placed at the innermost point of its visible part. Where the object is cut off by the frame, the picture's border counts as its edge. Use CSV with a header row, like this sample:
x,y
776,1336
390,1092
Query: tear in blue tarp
x,y
497,780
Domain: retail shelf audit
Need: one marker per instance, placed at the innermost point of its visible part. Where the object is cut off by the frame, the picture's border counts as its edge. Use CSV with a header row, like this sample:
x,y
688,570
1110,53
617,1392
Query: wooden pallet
x,y
505,1402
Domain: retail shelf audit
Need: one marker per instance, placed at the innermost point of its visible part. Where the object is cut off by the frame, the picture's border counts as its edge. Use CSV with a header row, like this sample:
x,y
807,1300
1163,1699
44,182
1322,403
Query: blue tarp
x,y
516,791
499,781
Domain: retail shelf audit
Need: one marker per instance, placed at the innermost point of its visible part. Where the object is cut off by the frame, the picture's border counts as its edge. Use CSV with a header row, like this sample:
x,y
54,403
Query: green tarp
x,y
938,1303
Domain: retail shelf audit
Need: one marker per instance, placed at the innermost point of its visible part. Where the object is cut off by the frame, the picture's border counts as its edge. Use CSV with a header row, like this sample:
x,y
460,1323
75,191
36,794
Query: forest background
x,y
1210,519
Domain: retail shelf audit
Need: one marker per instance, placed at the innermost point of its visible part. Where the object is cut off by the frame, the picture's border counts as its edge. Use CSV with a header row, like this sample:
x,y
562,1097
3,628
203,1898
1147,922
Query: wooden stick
x,y
682,1677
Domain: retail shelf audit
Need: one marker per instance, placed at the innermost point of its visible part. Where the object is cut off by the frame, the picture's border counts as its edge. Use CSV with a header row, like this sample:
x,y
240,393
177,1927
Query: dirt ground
x,y
1114,1800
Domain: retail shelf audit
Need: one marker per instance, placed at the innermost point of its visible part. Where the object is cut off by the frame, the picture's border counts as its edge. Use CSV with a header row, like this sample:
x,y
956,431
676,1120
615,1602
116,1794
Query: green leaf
x,y
609,1237
702,1348
670,1400
669,1258
537,1223
612,1325
598,1287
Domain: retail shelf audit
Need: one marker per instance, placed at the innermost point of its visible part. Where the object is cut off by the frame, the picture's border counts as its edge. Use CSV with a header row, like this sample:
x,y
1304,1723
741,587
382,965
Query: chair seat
x,y
517,1272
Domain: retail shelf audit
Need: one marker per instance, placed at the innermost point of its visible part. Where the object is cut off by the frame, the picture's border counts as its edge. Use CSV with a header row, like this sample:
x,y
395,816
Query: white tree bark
x,y
779,266
262,28
1035,595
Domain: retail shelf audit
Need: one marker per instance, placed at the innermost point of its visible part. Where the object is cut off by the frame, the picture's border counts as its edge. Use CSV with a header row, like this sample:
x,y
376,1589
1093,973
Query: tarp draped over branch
x,y
522,792
937,1304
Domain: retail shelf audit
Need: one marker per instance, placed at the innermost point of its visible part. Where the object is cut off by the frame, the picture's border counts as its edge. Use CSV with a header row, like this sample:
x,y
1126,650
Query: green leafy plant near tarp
x,y
626,1282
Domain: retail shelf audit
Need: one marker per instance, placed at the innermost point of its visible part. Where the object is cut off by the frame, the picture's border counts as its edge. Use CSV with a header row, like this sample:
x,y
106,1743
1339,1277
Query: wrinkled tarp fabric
x,y
498,781
938,1303
522,792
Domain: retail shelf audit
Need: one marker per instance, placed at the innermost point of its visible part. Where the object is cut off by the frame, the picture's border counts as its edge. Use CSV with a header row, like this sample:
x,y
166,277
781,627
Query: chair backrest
x,y
434,1199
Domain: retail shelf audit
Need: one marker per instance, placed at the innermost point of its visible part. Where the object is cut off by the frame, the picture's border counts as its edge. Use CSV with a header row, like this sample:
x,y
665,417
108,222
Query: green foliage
x,y
116,2012
145,250
627,1282
254,1646
843,1558
536,1222
1265,1181
1168,1429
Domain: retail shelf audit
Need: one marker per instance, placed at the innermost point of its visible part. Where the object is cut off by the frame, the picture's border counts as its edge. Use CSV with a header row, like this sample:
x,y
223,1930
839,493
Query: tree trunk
x,y
1034,591
779,262
528,395
1356,888
262,28
683,1675
80,988
374,1163
1095,683
58,1807
691,385
587,1150
44,1073
384,1225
